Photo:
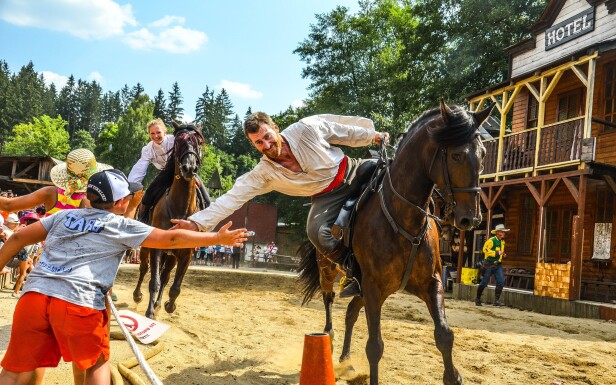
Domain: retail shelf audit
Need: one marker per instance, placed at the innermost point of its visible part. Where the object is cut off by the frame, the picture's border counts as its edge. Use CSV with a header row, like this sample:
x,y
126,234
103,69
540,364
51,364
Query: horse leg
x,y
154,281
144,264
327,275
374,347
352,313
168,265
443,335
183,259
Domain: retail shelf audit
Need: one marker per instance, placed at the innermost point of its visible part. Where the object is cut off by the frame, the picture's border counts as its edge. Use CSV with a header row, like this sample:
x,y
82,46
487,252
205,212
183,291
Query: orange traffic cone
x,y
317,365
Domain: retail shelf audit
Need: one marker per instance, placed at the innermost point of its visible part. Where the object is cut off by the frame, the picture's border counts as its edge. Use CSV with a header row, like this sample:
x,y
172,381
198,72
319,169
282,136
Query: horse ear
x,y
446,112
482,115
176,126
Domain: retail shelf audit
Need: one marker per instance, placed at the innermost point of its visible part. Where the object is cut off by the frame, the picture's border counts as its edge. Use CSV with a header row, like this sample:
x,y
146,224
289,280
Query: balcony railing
x,y
559,143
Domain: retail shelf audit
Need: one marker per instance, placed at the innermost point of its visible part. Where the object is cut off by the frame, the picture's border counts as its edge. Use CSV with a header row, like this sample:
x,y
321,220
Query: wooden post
x,y
575,284
461,254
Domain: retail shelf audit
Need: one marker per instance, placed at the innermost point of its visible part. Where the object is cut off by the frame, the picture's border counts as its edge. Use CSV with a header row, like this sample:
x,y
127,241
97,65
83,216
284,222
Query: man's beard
x,y
274,151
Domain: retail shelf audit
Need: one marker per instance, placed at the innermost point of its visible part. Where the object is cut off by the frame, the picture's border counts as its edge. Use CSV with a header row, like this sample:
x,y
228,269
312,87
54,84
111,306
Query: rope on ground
x,y
140,359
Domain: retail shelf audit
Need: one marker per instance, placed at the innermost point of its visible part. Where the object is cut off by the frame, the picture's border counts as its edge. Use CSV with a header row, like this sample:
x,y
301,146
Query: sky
x,y
243,46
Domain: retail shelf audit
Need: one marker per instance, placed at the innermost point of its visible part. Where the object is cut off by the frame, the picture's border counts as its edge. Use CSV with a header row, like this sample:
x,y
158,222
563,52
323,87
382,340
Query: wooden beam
x,y
25,170
496,196
610,182
33,181
533,90
534,193
581,75
511,100
572,189
575,284
547,196
485,199
480,104
553,83
497,103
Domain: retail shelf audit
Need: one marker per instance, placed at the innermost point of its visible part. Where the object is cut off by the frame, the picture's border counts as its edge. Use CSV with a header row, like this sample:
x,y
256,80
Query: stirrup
x,y
352,288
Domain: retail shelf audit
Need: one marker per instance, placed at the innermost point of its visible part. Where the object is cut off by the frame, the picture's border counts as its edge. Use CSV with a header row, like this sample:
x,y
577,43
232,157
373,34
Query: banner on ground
x,y
145,329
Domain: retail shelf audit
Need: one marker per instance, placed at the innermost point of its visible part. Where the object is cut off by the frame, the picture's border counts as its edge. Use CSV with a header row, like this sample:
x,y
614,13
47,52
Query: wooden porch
x,y
526,300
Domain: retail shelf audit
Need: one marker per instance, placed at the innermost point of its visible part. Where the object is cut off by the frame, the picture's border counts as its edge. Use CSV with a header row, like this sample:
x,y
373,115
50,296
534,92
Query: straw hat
x,y
73,175
499,227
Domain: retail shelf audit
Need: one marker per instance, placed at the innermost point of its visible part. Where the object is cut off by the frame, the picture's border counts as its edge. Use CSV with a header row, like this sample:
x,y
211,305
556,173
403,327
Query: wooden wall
x,y
561,197
606,140
605,23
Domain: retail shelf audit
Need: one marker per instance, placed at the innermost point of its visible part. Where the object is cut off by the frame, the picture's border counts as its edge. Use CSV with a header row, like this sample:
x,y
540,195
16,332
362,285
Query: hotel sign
x,y
570,29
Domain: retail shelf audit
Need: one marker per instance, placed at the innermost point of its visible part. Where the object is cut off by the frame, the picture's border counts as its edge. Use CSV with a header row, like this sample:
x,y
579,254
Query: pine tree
x,y
137,91
160,106
67,104
175,109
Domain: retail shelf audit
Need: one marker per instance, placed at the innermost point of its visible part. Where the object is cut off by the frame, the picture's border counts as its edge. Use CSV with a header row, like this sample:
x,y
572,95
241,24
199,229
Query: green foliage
x,y
132,135
175,109
82,139
45,136
104,143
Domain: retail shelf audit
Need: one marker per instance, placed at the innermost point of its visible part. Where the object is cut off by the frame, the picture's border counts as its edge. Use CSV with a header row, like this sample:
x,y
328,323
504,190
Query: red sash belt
x,y
337,179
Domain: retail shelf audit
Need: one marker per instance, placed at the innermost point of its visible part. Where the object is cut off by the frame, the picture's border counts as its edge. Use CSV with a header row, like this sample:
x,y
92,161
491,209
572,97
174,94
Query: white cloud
x,y
297,103
87,19
167,21
57,79
241,90
176,40
96,76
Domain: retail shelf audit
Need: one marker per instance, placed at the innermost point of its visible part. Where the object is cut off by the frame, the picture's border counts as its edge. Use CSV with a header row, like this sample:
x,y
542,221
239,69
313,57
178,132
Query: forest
x,y
390,62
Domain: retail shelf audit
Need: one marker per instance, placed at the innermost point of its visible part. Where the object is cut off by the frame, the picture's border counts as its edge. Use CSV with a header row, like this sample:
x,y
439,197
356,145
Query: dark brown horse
x,y
178,202
396,239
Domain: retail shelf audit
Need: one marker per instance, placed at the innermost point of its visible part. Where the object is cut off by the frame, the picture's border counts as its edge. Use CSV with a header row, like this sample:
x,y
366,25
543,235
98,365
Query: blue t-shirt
x,y
82,254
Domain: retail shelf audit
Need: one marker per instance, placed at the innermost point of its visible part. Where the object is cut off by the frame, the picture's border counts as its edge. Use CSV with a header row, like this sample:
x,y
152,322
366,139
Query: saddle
x,y
369,174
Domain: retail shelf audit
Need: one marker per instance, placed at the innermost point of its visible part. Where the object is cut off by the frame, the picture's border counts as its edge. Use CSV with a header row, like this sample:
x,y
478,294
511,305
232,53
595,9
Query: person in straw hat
x,y
70,180
493,252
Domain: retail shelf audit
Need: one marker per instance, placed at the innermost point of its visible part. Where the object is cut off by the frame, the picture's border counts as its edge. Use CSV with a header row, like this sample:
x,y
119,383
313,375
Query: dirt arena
x,y
247,328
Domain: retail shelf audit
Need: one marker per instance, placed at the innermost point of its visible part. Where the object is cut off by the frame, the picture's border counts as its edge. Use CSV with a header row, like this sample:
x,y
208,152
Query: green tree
x,y
111,108
103,148
82,139
132,133
5,96
68,104
175,109
160,106
45,136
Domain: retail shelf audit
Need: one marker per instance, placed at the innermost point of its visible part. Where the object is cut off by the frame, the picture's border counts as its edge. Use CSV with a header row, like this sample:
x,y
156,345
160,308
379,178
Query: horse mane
x,y
457,130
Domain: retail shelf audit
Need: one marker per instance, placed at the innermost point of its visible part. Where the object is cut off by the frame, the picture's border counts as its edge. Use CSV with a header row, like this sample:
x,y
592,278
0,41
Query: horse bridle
x,y
448,197
189,149
448,192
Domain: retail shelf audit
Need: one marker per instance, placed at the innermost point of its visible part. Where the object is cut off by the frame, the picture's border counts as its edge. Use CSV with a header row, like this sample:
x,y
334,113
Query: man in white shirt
x,y
301,161
156,153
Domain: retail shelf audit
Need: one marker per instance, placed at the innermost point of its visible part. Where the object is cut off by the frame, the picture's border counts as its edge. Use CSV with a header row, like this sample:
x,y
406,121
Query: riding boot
x,y
352,286
497,294
478,298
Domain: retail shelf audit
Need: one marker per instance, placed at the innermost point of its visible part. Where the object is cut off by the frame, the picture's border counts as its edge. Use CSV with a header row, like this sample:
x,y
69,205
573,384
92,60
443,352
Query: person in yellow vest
x,y
493,254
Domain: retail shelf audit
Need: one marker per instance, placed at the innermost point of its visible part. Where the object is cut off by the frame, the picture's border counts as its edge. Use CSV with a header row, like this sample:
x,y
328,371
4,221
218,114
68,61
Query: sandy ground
x,y
239,327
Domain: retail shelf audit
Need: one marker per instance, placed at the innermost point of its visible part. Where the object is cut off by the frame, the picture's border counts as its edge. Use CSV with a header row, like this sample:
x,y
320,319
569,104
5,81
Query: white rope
x,y
142,362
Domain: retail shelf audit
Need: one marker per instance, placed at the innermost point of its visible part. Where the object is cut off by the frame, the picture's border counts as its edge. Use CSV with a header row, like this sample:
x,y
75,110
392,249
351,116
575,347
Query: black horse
x,y
178,202
395,239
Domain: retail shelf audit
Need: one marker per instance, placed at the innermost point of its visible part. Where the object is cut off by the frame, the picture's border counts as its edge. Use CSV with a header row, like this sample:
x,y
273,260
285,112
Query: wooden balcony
x,y
559,145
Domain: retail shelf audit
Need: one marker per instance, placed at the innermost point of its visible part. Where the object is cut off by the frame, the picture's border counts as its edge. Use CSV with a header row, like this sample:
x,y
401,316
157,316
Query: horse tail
x,y
308,270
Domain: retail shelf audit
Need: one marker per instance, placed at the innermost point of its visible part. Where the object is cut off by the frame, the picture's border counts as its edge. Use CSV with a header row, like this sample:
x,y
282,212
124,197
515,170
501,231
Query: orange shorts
x,y
47,328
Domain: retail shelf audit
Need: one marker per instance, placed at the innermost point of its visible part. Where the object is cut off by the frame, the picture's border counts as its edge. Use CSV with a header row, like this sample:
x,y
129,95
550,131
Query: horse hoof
x,y
169,307
456,379
344,357
137,297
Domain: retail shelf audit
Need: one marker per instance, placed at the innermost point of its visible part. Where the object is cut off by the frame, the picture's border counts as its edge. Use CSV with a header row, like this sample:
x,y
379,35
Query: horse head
x,y
457,163
187,150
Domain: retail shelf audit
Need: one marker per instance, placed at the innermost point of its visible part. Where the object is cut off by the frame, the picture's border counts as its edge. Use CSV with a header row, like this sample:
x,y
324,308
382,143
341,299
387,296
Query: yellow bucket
x,y
469,276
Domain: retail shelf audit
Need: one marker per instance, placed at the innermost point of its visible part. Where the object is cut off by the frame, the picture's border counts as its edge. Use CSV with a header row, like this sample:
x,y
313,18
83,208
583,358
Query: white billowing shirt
x,y
311,140
151,153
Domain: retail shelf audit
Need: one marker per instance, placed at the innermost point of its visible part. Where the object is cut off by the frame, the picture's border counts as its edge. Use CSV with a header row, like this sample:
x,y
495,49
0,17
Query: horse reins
x,y
448,197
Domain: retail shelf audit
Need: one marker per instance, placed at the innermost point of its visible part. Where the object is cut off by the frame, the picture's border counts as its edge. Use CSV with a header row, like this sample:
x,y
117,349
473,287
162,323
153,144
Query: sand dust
x,y
238,327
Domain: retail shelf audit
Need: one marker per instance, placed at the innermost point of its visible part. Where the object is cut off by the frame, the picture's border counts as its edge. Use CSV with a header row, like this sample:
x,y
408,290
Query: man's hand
x,y
235,237
380,136
184,225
